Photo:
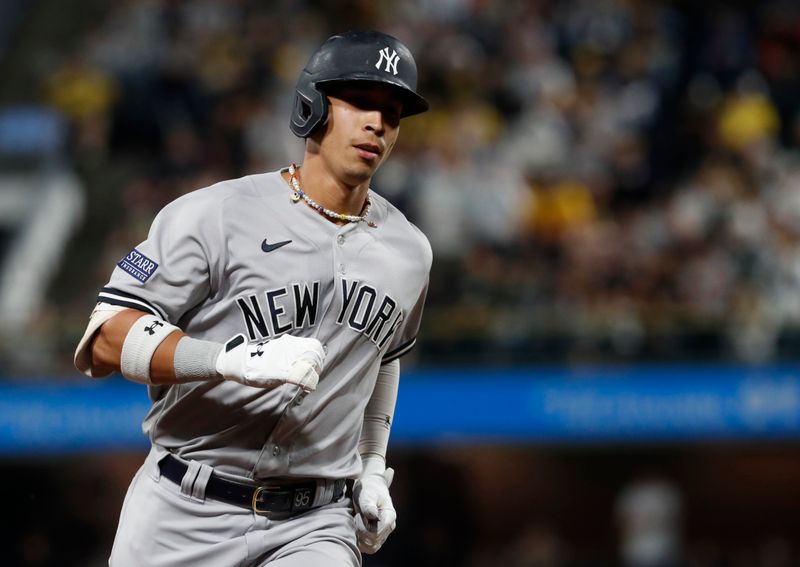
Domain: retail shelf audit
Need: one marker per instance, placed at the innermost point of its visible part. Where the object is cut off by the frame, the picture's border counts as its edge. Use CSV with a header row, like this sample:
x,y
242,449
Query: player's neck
x,y
329,190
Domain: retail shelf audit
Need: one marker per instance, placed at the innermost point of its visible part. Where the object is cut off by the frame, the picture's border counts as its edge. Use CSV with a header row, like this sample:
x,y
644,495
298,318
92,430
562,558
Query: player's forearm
x,y
376,514
378,417
149,350
106,348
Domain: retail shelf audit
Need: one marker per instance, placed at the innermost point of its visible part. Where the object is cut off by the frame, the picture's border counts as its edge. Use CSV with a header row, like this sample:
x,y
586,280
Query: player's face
x,y
362,128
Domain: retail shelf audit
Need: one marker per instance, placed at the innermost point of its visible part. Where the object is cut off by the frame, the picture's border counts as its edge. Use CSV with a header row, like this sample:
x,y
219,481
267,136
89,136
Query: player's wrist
x,y
196,359
372,464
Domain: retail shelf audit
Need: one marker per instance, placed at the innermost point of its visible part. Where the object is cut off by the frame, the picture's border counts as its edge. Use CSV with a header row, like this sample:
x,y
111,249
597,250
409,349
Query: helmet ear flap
x,y
304,111
310,110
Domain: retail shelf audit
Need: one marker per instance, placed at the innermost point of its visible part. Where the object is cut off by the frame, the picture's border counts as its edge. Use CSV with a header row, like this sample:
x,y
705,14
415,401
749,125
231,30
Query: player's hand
x,y
268,364
375,513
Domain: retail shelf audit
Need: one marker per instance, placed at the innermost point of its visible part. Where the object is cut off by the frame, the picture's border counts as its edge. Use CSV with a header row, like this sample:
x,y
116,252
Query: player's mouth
x,y
368,151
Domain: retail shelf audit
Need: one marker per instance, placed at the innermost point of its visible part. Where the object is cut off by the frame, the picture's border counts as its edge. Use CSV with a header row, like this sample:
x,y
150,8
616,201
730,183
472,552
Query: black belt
x,y
284,498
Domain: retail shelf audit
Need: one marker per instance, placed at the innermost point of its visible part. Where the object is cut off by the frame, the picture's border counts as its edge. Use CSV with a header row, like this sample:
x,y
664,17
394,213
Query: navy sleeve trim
x,y
124,299
399,351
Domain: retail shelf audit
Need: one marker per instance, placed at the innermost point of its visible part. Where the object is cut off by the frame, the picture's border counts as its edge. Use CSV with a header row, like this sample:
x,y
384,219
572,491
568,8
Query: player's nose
x,y
374,121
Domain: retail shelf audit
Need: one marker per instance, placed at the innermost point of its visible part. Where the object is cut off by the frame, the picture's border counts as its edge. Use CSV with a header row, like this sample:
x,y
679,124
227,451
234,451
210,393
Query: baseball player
x,y
266,315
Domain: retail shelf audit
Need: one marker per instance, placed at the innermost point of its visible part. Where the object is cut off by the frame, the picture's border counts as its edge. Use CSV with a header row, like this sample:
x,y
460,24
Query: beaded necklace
x,y
298,193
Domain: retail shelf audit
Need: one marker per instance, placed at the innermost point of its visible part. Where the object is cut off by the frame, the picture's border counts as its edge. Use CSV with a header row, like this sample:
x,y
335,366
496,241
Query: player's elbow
x,y
106,346
104,357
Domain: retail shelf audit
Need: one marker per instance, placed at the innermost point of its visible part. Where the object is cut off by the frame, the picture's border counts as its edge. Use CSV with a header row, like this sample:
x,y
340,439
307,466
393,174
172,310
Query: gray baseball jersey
x,y
241,257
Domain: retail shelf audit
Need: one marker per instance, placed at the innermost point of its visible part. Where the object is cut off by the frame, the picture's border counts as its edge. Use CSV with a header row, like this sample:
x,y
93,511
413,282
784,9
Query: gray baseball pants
x,y
163,524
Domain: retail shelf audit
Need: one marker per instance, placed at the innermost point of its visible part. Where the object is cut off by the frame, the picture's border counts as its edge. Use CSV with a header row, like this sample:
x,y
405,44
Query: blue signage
x,y
519,405
642,404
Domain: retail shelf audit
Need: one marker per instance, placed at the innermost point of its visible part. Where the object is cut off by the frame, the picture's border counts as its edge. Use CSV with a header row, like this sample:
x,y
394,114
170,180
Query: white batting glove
x,y
376,516
268,364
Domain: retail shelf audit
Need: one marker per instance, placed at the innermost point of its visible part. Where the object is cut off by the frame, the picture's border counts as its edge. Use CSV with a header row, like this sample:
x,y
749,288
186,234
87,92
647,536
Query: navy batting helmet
x,y
363,56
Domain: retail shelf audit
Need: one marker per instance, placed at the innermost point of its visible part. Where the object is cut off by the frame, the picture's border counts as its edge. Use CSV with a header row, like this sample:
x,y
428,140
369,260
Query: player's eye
x,y
360,101
391,114
390,109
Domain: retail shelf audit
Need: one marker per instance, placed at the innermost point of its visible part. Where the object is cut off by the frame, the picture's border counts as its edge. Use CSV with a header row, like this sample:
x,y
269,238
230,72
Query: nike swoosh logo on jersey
x,y
267,247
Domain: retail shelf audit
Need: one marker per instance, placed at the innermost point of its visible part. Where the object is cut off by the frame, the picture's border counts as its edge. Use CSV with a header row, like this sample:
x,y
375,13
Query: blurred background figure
x,y
650,516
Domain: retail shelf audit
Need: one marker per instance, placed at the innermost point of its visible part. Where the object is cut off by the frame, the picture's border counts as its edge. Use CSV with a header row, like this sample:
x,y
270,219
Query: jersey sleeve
x,y
406,336
175,268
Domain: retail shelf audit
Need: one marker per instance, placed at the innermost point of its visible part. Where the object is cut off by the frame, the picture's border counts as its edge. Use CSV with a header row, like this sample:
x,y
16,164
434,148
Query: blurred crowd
x,y
600,179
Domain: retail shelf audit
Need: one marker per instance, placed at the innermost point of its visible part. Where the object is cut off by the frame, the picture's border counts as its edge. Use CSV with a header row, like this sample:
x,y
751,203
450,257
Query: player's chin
x,y
363,170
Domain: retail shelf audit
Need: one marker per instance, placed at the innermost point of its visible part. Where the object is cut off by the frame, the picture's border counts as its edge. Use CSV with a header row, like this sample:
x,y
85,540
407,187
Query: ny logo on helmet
x,y
391,60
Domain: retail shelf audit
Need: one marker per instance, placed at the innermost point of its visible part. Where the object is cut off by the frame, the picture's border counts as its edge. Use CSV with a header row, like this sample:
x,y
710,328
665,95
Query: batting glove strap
x,y
376,517
268,364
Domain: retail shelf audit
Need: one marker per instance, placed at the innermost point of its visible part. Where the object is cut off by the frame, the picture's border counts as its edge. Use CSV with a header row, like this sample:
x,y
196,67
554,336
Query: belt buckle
x,y
254,503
